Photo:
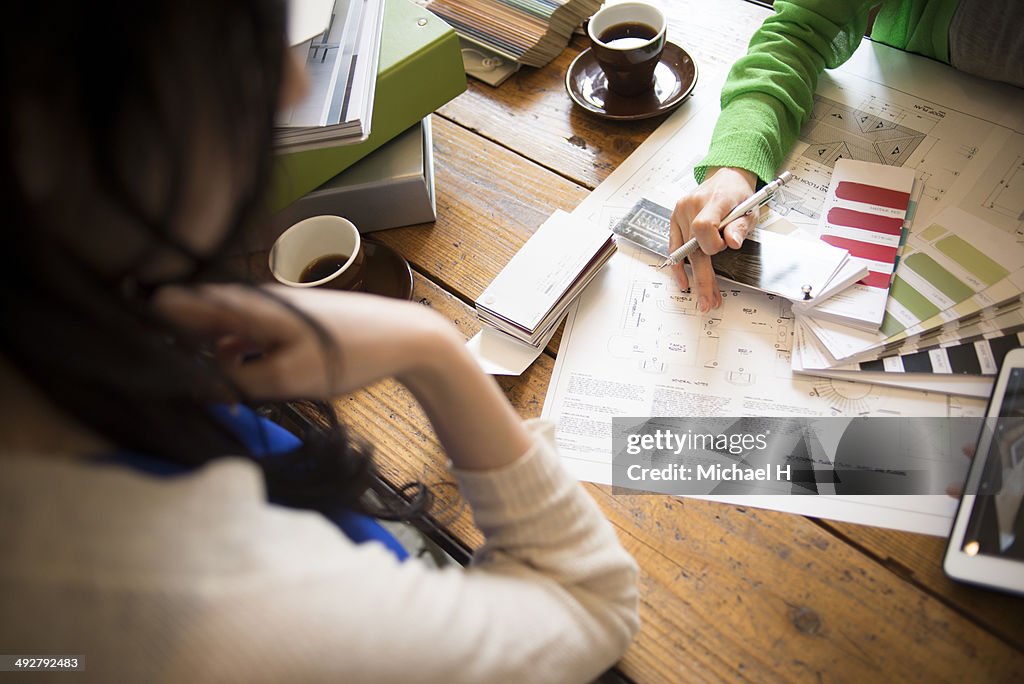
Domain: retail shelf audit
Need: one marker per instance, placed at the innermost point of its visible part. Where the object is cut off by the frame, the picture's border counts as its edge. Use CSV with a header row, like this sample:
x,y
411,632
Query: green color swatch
x,y
912,300
940,278
891,326
933,231
970,258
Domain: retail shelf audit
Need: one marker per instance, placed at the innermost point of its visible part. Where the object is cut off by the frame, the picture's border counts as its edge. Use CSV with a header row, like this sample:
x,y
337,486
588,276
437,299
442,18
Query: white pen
x,y
745,207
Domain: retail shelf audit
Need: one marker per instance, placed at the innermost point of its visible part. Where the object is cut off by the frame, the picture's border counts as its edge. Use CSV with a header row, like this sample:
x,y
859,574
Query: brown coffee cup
x,y
321,251
627,40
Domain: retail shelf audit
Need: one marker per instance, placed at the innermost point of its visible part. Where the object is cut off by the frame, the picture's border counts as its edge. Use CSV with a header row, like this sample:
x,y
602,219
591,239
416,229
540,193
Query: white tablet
x,y
986,545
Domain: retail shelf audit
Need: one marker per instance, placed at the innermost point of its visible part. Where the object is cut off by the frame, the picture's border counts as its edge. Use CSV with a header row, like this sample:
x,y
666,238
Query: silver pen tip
x,y
785,177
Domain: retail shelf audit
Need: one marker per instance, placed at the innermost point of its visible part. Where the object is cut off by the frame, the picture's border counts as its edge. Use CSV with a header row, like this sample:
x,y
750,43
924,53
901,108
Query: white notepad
x,y
534,289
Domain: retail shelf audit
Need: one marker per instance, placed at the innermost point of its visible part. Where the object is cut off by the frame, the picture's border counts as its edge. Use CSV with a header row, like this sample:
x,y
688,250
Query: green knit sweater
x,y
770,90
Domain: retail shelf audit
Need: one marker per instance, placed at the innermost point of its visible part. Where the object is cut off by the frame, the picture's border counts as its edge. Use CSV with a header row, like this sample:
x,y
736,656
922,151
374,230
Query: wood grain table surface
x,y
727,592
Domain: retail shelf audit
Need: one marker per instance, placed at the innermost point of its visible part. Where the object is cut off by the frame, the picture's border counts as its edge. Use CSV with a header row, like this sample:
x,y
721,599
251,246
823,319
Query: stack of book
x,y
417,68
342,68
530,32
941,305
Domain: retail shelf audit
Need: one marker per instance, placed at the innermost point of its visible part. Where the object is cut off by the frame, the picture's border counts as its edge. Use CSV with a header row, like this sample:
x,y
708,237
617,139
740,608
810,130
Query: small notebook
x,y
530,295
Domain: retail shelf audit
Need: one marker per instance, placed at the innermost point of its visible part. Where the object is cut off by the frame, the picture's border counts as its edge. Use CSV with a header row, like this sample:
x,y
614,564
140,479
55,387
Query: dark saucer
x,y
674,79
385,271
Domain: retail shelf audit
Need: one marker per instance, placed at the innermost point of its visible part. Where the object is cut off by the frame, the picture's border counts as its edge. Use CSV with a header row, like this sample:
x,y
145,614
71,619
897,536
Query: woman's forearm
x,y
475,423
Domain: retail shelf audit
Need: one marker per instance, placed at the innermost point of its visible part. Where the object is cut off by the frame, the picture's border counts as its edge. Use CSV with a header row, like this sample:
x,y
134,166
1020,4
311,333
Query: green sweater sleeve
x,y
770,91
920,26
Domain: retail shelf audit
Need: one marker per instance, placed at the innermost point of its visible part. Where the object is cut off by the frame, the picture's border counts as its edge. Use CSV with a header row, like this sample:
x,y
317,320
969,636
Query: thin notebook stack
x,y
530,32
531,294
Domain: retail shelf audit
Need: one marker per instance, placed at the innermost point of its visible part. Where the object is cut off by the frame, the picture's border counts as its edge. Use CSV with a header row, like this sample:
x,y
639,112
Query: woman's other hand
x,y
271,352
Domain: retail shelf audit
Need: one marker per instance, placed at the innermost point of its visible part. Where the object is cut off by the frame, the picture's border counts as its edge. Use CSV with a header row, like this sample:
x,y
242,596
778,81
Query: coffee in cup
x,y
628,39
320,251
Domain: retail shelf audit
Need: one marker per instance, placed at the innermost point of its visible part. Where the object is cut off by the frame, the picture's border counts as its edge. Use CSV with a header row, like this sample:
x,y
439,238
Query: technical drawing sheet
x,y
634,345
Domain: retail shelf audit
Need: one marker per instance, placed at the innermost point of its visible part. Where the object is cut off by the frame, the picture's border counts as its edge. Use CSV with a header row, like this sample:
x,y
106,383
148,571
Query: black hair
x,y
112,109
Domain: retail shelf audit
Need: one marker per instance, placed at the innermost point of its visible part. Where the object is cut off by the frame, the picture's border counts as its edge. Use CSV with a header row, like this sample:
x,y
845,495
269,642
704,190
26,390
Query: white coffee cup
x,y
320,251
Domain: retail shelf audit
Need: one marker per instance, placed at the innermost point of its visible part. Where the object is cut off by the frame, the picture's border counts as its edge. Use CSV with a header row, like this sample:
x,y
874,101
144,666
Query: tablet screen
x,y
996,524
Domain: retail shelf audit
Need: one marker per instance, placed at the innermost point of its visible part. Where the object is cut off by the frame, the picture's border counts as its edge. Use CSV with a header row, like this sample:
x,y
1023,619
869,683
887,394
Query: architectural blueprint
x,y
998,196
634,345
664,334
853,120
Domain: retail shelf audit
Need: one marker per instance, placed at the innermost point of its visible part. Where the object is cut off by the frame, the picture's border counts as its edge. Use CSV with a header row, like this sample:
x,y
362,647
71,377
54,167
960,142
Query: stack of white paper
x,y
530,295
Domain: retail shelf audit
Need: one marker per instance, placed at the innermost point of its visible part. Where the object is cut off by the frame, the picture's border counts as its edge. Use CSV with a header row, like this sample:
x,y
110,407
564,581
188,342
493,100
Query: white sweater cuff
x,y
533,482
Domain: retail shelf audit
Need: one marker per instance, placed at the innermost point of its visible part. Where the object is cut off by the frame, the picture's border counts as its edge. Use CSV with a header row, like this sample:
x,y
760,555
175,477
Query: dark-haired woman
x,y
136,142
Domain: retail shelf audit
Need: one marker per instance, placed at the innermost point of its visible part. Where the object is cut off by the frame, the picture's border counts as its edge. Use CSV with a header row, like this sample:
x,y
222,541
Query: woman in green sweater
x,y
770,92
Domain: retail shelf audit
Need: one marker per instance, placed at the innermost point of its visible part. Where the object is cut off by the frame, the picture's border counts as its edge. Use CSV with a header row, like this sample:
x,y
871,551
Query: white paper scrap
x,y
500,354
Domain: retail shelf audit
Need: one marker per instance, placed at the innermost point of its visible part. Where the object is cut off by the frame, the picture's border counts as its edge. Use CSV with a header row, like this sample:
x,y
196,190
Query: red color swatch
x,y
839,216
864,250
871,194
876,279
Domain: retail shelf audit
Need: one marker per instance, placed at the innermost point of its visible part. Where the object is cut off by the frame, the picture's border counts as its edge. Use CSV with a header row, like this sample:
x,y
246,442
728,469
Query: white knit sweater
x,y
197,578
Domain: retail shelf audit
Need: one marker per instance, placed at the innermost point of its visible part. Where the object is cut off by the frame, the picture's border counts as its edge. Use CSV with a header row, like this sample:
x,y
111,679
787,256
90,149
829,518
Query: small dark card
x,y
647,224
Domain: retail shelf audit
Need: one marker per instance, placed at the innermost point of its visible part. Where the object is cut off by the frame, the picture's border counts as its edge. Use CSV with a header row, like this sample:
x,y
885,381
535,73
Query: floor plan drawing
x,y
1007,198
873,132
662,331
998,195
941,145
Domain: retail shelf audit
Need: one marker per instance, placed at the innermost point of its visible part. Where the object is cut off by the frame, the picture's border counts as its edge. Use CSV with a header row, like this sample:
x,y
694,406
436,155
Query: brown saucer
x,y
385,271
674,79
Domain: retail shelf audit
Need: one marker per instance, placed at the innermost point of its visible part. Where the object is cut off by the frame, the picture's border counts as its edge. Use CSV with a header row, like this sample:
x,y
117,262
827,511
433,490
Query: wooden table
x,y
726,592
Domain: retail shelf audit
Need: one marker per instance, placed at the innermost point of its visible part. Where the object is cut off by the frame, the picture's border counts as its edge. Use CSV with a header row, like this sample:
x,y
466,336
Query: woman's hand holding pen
x,y
699,214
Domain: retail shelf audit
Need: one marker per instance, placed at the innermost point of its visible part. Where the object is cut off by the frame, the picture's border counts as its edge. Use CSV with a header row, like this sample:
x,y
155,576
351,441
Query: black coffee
x,y
627,35
321,267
